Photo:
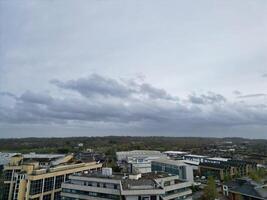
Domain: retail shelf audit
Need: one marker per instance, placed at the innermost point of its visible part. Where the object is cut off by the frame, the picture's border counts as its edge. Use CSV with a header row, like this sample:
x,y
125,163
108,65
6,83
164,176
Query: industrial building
x,y
39,176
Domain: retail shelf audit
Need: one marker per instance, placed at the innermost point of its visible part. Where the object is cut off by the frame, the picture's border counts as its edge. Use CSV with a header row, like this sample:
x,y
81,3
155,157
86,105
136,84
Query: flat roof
x,y
218,159
196,156
175,152
170,162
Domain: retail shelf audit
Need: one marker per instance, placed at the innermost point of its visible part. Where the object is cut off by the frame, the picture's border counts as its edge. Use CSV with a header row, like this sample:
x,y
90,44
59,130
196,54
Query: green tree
x,y
210,191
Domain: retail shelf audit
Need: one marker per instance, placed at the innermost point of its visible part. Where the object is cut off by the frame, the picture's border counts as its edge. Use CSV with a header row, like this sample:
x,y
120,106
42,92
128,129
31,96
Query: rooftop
x,y
196,156
170,162
248,187
175,152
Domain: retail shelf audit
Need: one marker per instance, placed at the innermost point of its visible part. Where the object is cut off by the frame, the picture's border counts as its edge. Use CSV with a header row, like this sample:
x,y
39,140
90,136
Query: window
x,y
5,191
153,197
59,180
49,184
57,196
36,187
47,197
8,175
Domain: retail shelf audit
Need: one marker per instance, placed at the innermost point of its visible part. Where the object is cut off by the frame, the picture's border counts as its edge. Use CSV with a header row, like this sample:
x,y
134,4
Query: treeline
x,y
111,144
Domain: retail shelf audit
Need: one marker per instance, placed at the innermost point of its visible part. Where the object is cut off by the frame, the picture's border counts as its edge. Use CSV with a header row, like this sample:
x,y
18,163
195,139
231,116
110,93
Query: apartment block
x,y
220,168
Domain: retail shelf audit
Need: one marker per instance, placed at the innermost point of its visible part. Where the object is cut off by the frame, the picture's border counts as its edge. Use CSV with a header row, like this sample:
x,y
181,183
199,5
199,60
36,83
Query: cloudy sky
x,y
165,68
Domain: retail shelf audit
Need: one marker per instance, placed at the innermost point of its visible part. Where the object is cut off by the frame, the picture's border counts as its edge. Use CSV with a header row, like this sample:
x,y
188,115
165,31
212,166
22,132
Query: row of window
x,y
92,194
103,185
57,196
37,185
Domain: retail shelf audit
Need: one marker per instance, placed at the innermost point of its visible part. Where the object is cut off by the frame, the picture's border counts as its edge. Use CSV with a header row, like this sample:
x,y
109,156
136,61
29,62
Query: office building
x,y
39,176
176,167
147,186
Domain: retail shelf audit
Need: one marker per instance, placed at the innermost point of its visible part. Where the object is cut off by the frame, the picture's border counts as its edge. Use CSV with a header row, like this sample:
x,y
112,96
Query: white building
x,y
138,161
176,167
148,186
175,154
195,158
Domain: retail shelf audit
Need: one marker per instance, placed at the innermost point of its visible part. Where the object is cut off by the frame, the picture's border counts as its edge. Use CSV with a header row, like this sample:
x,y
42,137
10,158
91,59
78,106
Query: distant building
x,y
220,168
138,161
195,158
39,176
176,155
176,167
244,189
147,186
89,156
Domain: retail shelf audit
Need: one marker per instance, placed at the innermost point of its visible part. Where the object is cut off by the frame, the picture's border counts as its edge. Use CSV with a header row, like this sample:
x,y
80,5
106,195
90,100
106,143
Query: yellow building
x,y
39,176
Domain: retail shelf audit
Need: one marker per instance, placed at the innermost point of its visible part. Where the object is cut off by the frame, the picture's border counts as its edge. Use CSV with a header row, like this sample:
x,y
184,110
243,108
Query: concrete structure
x,y
176,167
138,161
244,189
148,186
39,176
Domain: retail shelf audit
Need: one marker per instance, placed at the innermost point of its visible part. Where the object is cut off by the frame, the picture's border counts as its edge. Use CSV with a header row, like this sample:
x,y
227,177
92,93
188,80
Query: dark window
x,y
153,197
8,175
57,196
49,184
6,191
59,180
47,197
36,187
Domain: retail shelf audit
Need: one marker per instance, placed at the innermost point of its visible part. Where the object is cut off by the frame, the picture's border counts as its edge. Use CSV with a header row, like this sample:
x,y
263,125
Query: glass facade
x,y
170,169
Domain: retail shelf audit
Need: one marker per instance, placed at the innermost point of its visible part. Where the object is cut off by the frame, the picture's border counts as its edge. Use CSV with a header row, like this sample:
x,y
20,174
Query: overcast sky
x,y
165,68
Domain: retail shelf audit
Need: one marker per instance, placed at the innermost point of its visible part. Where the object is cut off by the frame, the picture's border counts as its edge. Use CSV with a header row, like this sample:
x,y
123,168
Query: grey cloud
x,y
96,85
209,98
236,92
155,92
209,110
252,95
7,94
38,98
264,75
